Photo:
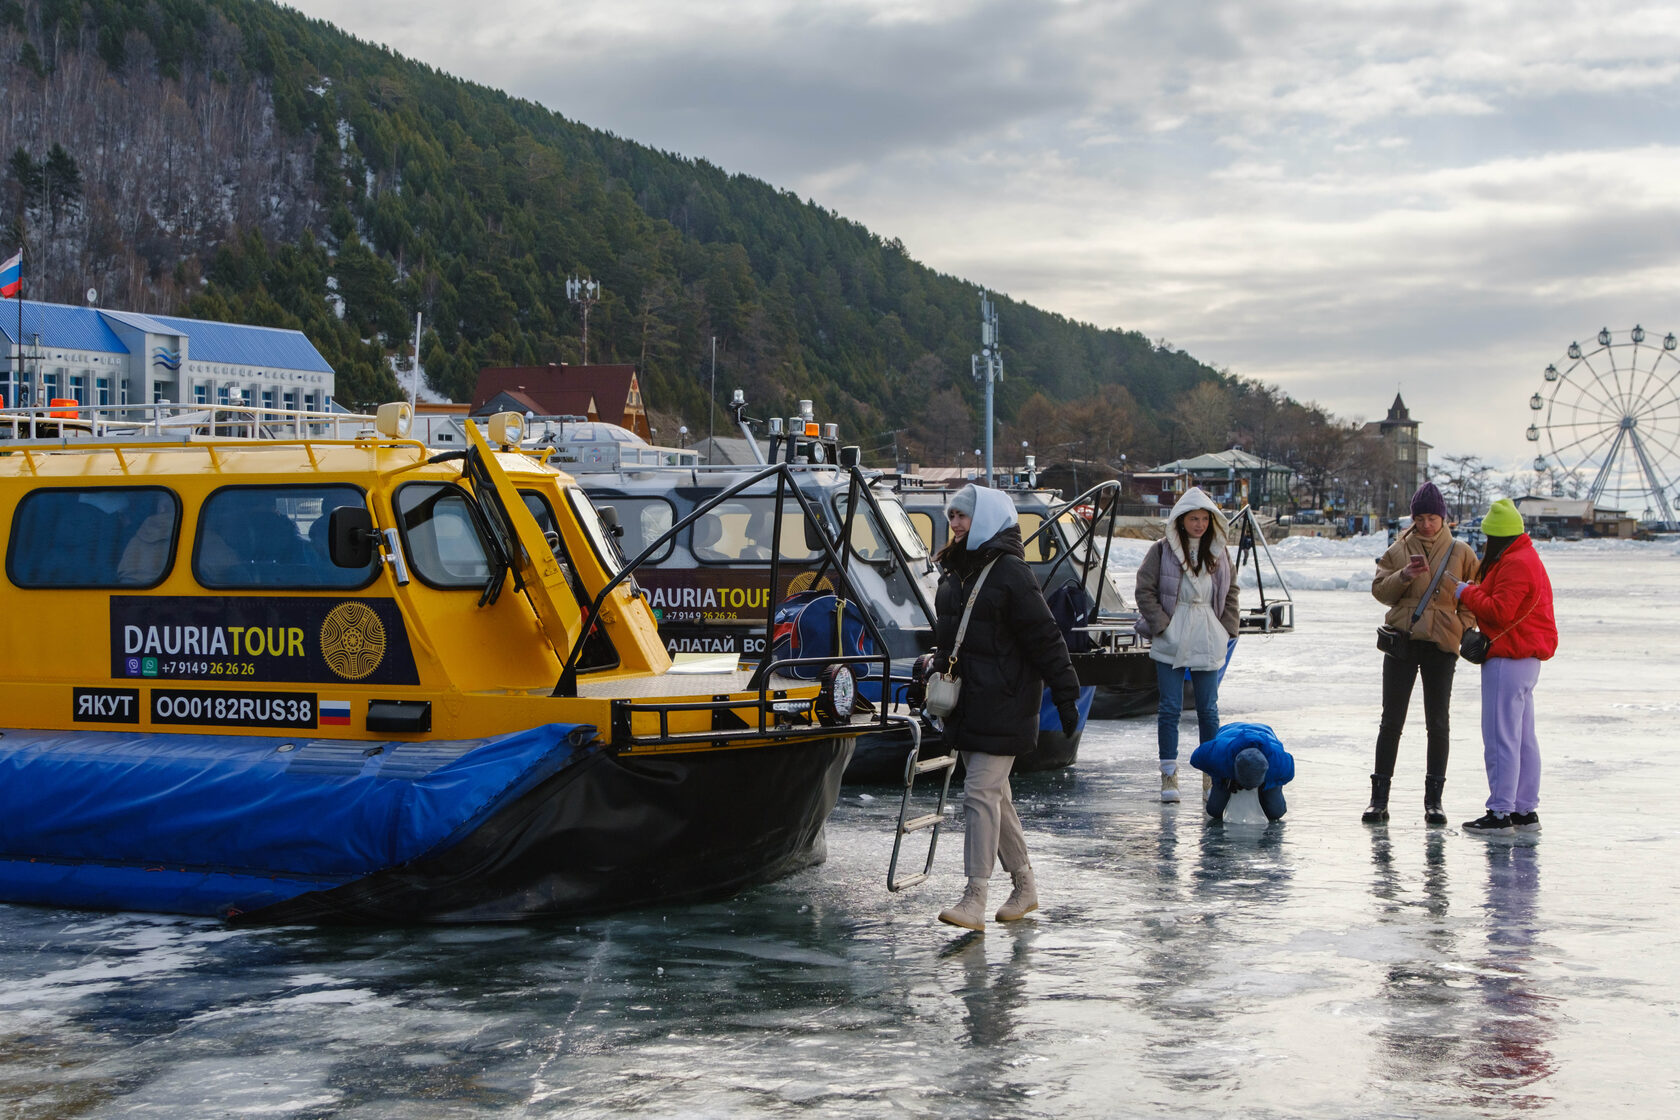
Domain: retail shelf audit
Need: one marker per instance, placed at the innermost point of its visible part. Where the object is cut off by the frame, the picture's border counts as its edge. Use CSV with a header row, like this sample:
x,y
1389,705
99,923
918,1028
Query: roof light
x,y
394,420
507,429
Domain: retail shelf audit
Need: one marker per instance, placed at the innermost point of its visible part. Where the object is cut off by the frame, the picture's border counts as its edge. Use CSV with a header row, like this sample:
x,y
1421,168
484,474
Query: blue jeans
x,y
1170,682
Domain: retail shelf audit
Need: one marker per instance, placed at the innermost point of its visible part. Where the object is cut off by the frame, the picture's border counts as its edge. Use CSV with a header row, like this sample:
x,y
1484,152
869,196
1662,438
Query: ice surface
x,y
1313,968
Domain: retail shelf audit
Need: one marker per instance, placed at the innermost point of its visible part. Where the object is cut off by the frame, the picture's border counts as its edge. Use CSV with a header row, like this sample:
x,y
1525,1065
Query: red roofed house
x,y
611,394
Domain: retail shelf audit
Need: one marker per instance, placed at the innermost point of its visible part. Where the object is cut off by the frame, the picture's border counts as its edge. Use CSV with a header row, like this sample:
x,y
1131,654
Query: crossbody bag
x,y
1391,639
1474,645
943,689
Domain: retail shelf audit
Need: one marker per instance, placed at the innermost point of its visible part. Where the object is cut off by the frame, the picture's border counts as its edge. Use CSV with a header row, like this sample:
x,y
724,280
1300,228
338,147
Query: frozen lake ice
x,y
1315,968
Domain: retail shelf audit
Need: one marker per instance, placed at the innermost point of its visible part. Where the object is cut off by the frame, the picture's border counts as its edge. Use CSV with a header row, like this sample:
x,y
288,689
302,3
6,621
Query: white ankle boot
x,y
1169,779
1023,900
970,913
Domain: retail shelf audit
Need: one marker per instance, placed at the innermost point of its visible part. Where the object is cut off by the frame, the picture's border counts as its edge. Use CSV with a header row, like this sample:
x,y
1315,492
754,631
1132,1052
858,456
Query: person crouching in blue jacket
x,y
1245,756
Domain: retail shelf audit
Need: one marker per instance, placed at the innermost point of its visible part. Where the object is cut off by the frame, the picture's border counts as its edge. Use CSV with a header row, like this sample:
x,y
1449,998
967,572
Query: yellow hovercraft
x,y
290,667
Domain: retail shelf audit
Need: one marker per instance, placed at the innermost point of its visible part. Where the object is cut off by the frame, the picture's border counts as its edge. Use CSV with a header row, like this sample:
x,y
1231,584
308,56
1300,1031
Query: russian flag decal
x,y
335,713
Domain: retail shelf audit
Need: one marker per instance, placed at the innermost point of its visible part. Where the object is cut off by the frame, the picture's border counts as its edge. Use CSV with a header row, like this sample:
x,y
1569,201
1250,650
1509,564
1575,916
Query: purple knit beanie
x,y
1428,500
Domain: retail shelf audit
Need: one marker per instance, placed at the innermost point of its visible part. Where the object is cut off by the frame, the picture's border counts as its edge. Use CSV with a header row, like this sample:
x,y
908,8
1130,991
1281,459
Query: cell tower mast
x,y
988,365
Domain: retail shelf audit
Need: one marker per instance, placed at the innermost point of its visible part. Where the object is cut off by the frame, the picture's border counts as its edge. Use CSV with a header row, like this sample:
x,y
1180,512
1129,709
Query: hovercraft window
x,y
741,530
274,537
111,536
644,520
446,545
1044,548
869,542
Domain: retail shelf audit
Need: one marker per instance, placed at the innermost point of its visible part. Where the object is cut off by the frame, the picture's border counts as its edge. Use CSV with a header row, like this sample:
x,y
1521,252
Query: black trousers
x,y
1436,666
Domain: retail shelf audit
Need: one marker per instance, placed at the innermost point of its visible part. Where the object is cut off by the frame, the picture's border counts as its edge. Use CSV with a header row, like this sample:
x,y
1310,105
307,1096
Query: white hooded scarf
x,y
1195,638
993,513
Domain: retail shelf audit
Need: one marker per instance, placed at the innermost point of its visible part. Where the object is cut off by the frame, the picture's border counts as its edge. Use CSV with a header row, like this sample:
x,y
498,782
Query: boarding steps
x,y
914,767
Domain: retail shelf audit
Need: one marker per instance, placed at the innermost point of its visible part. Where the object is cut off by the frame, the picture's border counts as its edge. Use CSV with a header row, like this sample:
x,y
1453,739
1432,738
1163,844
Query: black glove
x,y
1069,714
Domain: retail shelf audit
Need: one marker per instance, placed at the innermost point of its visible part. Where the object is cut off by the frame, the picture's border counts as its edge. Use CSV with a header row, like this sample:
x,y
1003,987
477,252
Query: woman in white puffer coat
x,y
1187,607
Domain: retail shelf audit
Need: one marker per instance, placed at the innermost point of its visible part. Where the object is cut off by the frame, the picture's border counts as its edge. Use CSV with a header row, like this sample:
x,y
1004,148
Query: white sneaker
x,y
1169,781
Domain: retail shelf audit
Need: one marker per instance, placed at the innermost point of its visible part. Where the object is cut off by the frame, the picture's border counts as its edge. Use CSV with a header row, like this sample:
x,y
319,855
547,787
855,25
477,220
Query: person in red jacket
x,y
1512,601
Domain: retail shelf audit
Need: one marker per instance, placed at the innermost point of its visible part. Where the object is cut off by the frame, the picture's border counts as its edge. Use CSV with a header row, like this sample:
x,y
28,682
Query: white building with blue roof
x,y
117,358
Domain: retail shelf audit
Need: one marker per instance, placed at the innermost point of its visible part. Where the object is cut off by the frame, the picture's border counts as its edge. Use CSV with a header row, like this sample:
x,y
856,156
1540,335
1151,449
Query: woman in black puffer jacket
x,y
1010,650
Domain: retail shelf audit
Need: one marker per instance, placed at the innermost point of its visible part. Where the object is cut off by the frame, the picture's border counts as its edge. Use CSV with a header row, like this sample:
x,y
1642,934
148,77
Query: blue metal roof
x,y
138,322
238,344
70,328
87,328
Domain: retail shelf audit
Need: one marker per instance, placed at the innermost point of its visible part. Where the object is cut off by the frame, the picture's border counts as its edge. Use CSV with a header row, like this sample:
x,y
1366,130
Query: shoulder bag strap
x,y
969,610
1434,583
1495,637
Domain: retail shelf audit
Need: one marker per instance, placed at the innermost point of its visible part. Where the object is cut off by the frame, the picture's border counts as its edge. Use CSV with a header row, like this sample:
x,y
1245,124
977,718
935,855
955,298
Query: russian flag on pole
x,y
11,276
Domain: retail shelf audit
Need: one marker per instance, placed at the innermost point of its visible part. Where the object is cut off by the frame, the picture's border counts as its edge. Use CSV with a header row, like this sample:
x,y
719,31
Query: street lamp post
x,y
586,293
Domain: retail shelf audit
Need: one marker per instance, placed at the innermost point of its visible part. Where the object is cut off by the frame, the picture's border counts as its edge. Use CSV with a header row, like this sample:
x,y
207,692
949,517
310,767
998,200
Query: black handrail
x,y
1087,531
783,473
765,704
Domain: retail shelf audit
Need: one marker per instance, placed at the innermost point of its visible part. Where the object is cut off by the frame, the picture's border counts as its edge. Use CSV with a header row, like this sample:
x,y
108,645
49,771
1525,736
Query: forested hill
x,y
233,159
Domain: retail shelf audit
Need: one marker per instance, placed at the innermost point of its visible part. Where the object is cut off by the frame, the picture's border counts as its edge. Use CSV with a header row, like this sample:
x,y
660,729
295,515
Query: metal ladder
x,y
915,766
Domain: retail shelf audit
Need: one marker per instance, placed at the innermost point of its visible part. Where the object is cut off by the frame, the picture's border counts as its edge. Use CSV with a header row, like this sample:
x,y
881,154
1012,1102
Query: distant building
x,y
1573,518
1403,458
611,394
1232,478
117,358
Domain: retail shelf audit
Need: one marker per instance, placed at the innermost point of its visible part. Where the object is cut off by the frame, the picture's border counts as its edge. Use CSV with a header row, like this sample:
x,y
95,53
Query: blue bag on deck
x,y
810,624
1071,606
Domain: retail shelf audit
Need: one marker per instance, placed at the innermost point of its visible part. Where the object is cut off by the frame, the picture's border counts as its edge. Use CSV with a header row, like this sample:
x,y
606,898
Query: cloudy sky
x,y
1342,198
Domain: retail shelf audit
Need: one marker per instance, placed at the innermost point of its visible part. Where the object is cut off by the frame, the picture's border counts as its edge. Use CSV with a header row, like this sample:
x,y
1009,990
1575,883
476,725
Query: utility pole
x,y
711,431
988,364
586,293
414,386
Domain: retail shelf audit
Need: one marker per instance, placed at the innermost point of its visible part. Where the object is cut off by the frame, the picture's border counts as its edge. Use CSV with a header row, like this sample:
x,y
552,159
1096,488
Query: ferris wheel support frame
x,y
1652,480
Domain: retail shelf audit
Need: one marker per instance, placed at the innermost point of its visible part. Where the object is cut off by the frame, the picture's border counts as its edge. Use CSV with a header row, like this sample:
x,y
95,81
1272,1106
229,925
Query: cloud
x,y
1341,197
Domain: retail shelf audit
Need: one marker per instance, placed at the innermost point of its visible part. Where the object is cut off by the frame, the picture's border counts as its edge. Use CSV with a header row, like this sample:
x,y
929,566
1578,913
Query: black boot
x,y
1432,811
1377,811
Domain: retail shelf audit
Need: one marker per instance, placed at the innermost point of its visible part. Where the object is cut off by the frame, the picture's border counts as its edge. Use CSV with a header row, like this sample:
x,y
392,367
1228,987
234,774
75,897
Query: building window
x,y
268,398
102,391
159,392
221,394
201,393
78,388
289,400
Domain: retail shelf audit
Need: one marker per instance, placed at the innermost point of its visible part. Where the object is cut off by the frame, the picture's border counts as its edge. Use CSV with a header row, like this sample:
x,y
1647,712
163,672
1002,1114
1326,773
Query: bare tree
x,y
1465,480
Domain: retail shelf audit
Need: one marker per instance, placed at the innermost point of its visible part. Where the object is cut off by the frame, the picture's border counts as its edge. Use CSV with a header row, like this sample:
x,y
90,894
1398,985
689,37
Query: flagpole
x,y
17,366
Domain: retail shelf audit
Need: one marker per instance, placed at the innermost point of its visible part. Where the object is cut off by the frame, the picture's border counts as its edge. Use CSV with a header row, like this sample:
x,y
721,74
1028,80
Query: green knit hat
x,y
1502,520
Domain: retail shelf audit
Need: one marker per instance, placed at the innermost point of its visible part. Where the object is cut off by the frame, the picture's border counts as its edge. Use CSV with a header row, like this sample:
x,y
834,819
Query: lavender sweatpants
x,y
1509,747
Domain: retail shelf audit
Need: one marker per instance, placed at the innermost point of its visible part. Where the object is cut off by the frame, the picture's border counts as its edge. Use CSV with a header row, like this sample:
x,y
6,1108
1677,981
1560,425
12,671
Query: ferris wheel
x,y
1612,415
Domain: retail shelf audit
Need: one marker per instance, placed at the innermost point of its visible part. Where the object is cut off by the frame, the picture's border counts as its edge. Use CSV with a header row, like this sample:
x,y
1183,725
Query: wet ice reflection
x,y
1313,967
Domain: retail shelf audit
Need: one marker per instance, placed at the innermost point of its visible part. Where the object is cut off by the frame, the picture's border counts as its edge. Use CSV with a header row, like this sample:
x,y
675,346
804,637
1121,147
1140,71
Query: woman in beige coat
x,y
1429,649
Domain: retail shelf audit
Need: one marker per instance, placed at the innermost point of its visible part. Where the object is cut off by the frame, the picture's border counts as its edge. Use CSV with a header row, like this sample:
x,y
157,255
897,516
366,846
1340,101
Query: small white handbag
x,y
943,689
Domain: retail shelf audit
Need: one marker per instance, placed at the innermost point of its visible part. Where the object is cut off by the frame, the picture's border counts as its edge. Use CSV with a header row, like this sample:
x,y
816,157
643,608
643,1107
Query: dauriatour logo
x,y
165,357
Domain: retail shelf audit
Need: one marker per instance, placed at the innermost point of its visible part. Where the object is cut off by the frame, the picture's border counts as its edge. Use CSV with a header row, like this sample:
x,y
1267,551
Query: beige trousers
x,y
992,831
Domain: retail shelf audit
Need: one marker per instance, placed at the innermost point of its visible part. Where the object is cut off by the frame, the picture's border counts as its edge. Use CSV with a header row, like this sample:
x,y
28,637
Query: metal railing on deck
x,y
833,553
